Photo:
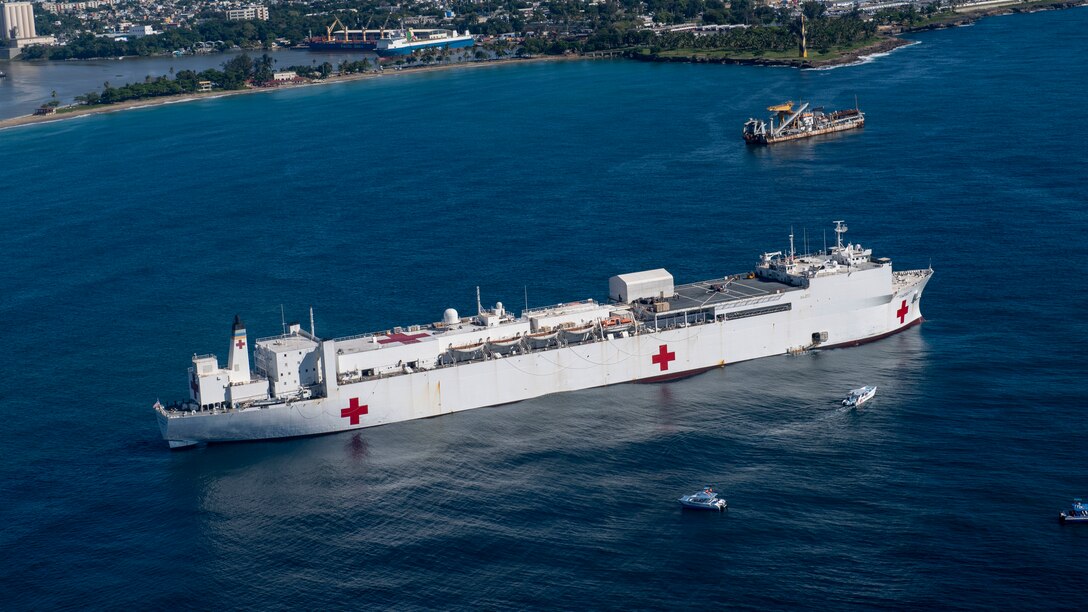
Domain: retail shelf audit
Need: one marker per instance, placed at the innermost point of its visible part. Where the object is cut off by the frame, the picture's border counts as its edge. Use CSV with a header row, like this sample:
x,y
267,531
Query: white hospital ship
x,y
649,330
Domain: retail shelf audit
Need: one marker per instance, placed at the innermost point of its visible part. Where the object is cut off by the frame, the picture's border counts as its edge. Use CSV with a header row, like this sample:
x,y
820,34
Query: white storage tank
x,y
652,284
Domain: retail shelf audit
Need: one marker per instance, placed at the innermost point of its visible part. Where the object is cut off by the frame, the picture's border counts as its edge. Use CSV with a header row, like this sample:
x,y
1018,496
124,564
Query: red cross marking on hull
x,y
902,312
353,411
663,357
403,338
240,343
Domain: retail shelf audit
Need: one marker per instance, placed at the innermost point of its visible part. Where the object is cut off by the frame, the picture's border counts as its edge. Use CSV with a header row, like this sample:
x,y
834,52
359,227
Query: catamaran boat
x,y
1077,514
707,499
858,397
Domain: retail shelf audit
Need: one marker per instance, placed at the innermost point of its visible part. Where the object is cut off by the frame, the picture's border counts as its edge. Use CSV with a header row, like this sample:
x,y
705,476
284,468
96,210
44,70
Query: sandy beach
x,y
73,112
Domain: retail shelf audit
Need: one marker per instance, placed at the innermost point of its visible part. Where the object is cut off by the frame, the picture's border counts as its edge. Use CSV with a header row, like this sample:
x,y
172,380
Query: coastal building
x,y
249,12
132,31
17,29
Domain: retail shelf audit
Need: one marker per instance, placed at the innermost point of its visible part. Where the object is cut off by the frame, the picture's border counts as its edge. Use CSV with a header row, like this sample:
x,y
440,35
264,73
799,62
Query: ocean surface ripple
x,y
131,239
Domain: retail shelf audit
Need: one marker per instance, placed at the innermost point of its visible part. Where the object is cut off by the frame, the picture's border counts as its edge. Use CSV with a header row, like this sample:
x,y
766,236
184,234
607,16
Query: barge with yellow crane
x,y
801,123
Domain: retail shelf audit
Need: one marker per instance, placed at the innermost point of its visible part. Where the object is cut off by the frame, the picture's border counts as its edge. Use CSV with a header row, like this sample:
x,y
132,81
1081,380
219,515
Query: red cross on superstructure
x,y
902,312
663,357
239,344
354,411
403,338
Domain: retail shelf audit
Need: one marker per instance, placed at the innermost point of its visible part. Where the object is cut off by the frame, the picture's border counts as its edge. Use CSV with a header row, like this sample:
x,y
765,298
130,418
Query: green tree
x,y
262,70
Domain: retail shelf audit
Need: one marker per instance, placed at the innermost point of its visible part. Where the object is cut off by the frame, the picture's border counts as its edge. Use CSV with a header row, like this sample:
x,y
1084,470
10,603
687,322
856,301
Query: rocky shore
x,y
882,46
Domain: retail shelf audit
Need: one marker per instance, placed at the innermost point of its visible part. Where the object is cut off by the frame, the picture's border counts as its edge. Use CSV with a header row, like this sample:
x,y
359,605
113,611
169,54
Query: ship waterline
x,y
302,385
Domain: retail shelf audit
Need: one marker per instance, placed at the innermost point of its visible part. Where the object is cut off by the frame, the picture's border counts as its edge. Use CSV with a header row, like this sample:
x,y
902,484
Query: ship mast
x,y
840,229
791,244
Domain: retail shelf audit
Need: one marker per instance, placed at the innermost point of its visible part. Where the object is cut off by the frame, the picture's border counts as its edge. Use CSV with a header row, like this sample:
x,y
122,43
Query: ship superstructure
x,y
650,329
801,123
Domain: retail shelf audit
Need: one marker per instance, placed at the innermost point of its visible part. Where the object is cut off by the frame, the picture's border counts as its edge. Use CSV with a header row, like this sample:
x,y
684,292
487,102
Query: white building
x,y
250,12
17,21
17,29
131,31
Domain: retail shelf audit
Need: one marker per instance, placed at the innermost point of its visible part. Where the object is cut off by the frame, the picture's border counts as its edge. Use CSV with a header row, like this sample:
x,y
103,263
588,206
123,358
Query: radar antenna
x,y
840,229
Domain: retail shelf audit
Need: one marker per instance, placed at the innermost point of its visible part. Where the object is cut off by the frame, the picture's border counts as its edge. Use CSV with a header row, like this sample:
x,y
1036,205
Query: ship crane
x,y
783,110
329,28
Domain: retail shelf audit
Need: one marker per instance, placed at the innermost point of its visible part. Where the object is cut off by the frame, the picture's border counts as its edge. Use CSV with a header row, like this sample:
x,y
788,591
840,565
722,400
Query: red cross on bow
x,y
663,357
902,312
354,411
239,344
402,338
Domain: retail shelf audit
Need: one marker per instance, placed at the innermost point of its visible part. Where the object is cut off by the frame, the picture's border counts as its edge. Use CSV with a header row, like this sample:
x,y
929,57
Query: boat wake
x,y
865,59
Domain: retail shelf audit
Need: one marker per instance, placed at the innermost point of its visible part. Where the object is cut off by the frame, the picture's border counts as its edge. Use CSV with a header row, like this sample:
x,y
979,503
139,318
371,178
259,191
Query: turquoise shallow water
x,y
131,239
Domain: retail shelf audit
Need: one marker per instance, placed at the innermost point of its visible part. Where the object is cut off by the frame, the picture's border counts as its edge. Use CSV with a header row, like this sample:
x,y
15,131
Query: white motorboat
x,y
858,397
707,499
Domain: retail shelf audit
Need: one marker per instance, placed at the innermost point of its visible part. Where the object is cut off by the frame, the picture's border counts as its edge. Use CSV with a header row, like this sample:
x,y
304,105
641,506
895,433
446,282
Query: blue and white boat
x,y
707,499
1077,514
404,43
858,397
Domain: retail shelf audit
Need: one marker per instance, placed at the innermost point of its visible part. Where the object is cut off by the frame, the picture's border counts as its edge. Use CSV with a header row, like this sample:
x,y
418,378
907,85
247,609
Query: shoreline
x,y
884,45
79,111
965,16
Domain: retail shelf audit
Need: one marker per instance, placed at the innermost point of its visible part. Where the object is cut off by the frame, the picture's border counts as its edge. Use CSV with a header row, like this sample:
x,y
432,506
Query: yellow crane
x,y
344,28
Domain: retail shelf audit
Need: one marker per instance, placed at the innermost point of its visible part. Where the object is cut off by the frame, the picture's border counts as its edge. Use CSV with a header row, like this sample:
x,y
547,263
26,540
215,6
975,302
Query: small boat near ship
x,y
707,499
1078,513
858,397
801,123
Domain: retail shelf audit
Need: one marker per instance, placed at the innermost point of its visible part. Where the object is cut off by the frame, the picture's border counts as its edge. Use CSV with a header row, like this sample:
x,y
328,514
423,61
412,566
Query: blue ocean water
x,y
131,239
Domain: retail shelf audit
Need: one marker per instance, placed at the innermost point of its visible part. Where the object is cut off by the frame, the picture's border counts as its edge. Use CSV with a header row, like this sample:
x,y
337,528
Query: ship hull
x,y
355,45
769,140
849,314
437,44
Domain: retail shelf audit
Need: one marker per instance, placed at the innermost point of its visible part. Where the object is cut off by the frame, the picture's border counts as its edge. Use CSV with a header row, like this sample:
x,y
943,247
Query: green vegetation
x,y
827,38
283,23
236,74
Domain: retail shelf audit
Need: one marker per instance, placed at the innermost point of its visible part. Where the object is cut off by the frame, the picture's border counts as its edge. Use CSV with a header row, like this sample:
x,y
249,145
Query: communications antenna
x,y
313,332
840,229
479,308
